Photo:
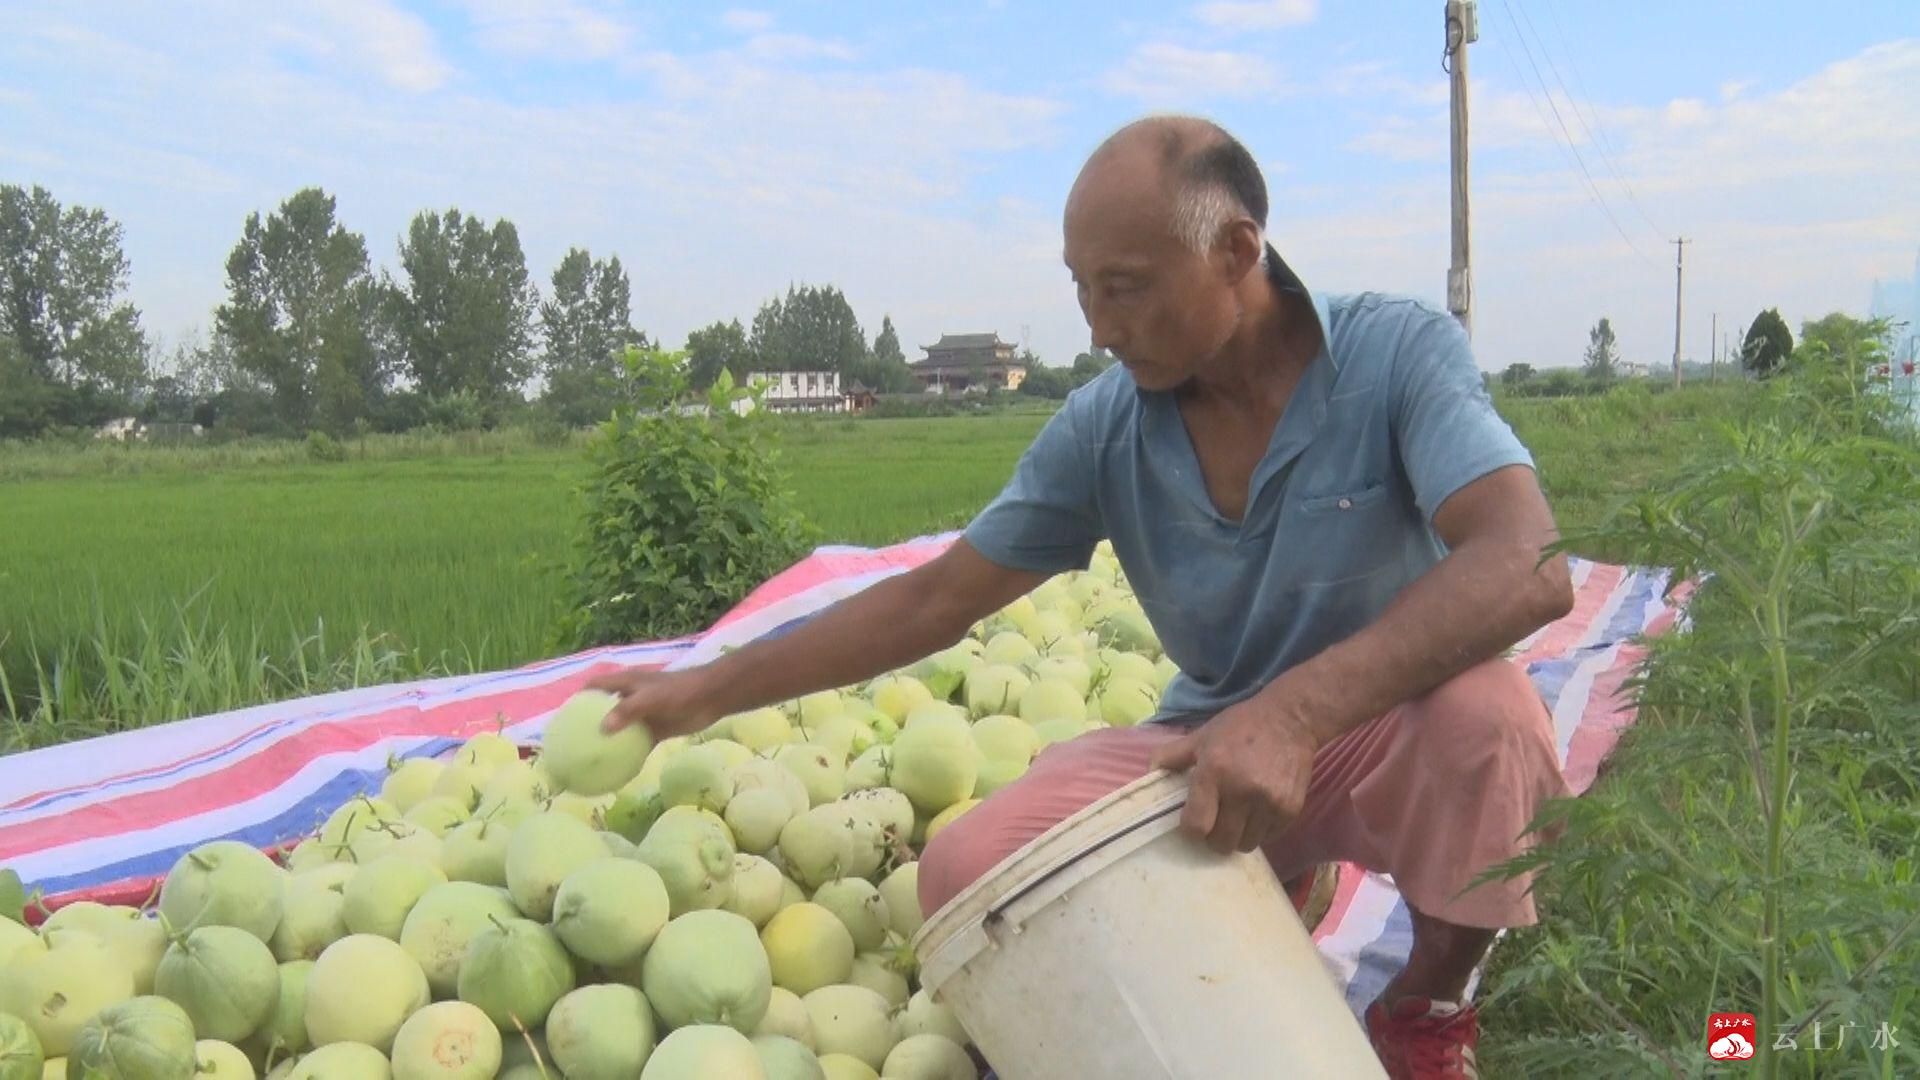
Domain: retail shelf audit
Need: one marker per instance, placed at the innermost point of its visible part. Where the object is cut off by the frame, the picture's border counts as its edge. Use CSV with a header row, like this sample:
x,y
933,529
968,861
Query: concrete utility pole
x,y
1713,366
1679,250
1462,29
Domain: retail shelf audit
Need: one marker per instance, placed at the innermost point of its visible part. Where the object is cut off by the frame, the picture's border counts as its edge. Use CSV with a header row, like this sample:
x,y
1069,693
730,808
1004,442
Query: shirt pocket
x,y
1359,497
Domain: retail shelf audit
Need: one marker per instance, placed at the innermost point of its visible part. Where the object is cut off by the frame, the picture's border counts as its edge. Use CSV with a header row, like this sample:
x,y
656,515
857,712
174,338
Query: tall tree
x,y
1603,354
1842,337
1768,343
1088,365
812,329
586,323
886,344
1515,374
1047,382
62,276
464,316
721,346
884,368
302,315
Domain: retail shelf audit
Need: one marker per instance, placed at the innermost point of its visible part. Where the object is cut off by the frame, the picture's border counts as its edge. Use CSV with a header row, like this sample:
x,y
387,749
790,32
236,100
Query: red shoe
x,y
1423,1039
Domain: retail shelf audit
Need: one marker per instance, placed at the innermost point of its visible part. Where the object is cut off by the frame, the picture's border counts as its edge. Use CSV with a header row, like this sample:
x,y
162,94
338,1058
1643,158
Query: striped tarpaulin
x,y
104,818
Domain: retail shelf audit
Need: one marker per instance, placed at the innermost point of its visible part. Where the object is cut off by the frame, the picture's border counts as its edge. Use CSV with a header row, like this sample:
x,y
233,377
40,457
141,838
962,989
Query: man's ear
x,y
1242,250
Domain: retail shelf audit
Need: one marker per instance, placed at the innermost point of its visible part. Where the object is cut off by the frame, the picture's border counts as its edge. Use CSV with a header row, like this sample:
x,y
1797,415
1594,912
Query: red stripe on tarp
x,y
265,771
1608,712
136,774
829,566
1351,875
1570,629
132,892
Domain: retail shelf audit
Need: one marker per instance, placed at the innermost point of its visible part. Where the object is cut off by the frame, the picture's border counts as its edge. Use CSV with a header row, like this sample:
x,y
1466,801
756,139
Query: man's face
x,y
1163,310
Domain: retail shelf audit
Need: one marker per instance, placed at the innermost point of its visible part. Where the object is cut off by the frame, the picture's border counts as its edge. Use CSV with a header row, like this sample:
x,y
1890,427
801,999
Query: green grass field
x,y
441,552
449,548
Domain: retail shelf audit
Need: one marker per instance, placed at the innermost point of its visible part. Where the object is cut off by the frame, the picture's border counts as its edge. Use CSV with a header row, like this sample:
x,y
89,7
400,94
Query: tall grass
x,y
1750,847
189,668
100,458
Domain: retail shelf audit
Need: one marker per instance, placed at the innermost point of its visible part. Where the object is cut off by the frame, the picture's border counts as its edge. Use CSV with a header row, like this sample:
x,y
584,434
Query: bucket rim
x,y
1074,838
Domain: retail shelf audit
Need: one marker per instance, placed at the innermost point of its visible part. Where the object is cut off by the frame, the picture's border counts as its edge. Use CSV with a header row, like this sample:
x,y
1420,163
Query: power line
x,y
1598,142
1560,32
1566,135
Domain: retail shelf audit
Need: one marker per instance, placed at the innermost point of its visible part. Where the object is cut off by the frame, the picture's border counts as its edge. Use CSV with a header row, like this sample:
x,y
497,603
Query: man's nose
x,y
1107,331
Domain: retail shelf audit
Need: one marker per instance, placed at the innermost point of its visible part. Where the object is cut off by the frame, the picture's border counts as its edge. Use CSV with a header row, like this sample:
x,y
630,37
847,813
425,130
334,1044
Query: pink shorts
x,y
1433,792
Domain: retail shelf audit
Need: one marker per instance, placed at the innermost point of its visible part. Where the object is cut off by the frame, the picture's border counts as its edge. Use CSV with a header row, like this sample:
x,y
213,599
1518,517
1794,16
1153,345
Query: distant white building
x,y
131,429
121,429
803,391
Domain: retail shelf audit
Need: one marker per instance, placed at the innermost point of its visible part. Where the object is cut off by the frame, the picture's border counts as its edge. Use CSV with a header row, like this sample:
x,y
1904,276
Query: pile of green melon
x,y
737,904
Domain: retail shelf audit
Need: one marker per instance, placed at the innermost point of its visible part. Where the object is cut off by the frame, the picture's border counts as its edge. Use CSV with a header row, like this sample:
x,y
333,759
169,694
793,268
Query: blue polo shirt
x,y
1389,420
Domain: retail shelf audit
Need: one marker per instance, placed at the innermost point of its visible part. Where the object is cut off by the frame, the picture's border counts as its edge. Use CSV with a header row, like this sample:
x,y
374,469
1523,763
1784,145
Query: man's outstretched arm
x,y
892,623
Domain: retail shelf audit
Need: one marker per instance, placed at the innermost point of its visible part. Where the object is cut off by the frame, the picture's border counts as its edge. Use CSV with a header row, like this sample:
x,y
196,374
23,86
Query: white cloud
x,y
1398,138
719,178
1686,112
1733,88
1794,198
1166,74
1378,79
567,29
397,45
747,22
1257,14
772,46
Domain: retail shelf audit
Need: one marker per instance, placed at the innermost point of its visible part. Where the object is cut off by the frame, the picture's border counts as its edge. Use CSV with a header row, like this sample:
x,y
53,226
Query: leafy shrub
x,y
461,410
686,512
324,447
546,429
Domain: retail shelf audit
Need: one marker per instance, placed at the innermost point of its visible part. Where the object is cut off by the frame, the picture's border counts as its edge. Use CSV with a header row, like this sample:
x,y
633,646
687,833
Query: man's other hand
x,y
1248,768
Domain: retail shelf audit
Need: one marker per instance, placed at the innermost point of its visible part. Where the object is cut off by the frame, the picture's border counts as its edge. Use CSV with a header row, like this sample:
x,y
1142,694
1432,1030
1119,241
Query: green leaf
x,y
13,897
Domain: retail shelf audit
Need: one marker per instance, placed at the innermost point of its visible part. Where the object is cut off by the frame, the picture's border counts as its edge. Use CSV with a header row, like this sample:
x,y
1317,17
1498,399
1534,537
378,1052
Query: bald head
x,y
1186,172
1165,237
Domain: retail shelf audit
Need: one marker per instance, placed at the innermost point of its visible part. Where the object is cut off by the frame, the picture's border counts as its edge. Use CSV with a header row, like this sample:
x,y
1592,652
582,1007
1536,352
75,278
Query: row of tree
x,y
812,328
311,337
1765,347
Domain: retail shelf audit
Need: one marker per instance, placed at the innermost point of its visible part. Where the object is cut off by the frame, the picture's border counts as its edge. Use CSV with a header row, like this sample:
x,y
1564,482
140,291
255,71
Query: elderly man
x,y
1332,531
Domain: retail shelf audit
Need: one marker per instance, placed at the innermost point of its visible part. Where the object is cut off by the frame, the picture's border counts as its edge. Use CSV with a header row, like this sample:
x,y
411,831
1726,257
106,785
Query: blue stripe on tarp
x,y
1629,619
1381,959
299,819
1550,677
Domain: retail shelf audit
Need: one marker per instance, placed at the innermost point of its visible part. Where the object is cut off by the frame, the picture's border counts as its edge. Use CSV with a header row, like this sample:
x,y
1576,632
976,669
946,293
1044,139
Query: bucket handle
x,y
995,918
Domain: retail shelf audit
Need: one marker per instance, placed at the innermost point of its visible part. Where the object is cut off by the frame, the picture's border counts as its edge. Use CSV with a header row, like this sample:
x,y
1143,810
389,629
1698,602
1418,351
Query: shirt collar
x,y
1285,279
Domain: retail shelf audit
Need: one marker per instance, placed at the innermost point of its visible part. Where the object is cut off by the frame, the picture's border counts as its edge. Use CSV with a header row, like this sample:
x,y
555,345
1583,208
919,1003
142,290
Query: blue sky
x,y
917,156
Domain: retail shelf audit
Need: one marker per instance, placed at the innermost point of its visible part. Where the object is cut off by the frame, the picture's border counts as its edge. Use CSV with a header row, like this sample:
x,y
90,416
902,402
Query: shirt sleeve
x,y
1445,426
1047,517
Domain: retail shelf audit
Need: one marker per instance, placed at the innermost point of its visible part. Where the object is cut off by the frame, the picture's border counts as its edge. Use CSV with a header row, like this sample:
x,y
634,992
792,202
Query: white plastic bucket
x,y
1115,946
